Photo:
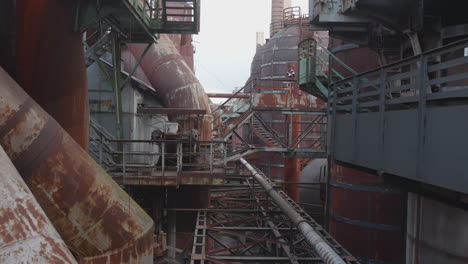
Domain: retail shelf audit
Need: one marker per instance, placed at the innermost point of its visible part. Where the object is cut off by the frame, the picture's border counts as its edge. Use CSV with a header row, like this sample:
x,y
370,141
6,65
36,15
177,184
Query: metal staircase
x,y
99,48
263,134
179,16
316,68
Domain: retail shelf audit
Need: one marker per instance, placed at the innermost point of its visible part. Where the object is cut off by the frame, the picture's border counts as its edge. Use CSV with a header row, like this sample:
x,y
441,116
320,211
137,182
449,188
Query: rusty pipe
x,y
99,222
327,254
170,75
228,95
51,64
27,235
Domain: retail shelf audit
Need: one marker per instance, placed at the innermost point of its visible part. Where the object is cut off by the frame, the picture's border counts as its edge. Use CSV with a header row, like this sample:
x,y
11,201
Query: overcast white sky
x,y
225,45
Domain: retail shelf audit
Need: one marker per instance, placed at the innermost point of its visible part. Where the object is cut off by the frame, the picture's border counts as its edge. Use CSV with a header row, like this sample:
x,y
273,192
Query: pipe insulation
x,y
328,255
98,221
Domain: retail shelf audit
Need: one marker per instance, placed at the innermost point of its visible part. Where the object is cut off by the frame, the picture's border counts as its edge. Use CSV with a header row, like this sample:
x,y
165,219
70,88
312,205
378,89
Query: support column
x,y
172,224
292,166
116,78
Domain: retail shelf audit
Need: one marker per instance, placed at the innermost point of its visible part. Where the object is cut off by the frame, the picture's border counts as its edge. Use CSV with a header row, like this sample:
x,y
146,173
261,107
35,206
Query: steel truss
x,y
245,225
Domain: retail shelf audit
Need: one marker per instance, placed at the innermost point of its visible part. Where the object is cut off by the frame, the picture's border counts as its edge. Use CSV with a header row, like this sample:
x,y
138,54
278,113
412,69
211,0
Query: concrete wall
x,y
436,232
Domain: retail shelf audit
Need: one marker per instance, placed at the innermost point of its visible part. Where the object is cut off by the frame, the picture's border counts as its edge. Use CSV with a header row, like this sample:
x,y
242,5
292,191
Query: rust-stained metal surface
x,y
293,169
360,59
26,234
170,75
279,53
360,203
170,111
50,62
276,94
228,95
367,216
7,33
99,222
170,178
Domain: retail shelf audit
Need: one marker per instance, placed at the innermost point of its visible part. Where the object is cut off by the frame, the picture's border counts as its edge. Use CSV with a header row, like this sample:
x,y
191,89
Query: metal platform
x,y
244,224
299,132
138,21
406,119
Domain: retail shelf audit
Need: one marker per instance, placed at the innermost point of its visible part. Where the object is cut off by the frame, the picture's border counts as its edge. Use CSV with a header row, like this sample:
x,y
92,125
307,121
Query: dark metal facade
x,y
406,118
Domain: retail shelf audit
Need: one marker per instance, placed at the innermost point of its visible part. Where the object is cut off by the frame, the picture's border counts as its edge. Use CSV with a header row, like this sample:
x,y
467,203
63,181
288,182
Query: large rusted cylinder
x,y
26,235
99,222
170,75
367,216
293,170
51,66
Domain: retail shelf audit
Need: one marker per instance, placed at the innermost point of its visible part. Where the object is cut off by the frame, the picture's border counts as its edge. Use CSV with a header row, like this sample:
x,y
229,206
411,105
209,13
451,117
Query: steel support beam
x,y
311,236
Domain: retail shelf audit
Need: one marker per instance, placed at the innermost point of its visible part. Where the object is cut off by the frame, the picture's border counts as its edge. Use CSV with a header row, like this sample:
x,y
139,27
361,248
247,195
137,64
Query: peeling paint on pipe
x,y
99,222
170,75
51,64
26,234
327,254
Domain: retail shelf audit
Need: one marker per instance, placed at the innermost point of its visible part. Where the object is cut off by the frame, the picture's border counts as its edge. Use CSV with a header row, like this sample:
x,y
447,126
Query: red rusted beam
x,y
170,111
99,221
26,234
228,95
253,237
236,247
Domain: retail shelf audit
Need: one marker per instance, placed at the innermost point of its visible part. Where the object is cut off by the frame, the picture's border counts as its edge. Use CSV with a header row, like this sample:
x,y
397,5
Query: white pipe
x,y
327,254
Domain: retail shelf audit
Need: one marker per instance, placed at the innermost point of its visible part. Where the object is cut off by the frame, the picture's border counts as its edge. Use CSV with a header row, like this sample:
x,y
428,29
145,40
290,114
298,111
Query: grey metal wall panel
x,y
367,139
343,141
400,144
445,162
446,145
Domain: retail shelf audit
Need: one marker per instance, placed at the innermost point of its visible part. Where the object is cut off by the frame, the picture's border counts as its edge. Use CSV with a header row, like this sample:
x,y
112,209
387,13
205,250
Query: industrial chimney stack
x,y
277,7
260,39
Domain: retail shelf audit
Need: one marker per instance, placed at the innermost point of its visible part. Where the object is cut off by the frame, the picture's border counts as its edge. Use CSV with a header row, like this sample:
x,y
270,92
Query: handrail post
x,y
211,158
421,114
225,154
163,160
100,149
124,167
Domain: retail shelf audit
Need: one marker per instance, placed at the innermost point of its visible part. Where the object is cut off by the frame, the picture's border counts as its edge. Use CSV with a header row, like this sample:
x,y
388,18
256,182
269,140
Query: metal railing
x,y
413,82
260,96
292,15
169,16
318,67
155,158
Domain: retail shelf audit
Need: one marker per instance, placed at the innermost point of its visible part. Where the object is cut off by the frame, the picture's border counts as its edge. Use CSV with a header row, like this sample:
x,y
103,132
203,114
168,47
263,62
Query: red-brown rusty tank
x,y
279,60
26,235
358,58
99,222
7,33
367,216
170,75
51,65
